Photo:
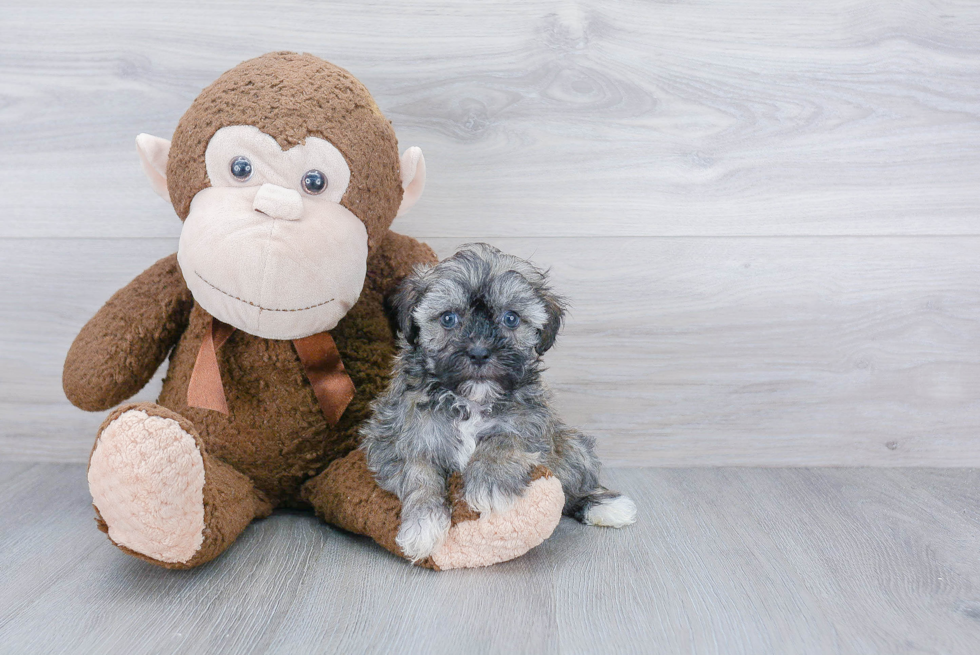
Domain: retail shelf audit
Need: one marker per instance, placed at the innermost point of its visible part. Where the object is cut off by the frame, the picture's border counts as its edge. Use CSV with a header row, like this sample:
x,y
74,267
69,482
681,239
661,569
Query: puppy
x,y
466,396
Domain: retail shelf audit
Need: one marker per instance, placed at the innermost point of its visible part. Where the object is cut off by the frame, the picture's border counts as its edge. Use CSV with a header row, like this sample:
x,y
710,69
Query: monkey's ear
x,y
153,158
413,178
555,309
403,302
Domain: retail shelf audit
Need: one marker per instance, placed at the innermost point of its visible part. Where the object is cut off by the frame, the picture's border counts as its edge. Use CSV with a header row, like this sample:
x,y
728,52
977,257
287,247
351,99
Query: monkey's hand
x,y
117,352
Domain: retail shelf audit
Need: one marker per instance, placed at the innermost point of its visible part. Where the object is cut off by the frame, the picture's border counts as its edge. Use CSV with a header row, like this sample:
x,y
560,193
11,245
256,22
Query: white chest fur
x,y
468,430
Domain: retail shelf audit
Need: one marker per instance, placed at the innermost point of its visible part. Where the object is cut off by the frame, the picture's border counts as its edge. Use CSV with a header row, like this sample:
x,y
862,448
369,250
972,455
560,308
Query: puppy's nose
x,y
278,202
478,355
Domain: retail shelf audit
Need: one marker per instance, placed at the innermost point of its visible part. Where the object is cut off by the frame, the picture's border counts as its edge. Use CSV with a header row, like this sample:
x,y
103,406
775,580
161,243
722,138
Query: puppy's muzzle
x,y
478,355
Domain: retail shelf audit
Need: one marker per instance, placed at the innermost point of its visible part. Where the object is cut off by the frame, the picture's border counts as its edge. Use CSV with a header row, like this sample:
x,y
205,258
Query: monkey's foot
x,y
146,475
475,540
148,483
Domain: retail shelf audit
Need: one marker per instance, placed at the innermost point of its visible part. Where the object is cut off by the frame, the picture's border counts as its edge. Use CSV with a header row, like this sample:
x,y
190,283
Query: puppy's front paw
x,y
493,481
422,531
488,497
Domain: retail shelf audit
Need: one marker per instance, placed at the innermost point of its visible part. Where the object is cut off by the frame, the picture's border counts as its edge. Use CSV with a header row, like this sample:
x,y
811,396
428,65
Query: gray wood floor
x,y
721,561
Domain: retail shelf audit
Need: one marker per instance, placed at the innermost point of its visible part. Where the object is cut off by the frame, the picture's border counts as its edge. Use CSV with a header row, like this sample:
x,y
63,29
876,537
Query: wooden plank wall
x,y
765,214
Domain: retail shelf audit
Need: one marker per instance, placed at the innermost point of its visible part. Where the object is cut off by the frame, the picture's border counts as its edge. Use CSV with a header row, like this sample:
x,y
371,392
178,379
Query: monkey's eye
x,y
449,320
241,168
511,319
314,182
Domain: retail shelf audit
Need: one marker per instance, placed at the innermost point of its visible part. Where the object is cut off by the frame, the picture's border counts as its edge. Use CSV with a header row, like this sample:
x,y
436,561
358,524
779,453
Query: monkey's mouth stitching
x,y
265,309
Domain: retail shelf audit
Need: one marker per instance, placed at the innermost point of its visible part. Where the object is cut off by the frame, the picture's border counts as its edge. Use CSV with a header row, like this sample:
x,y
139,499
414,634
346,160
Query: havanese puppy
x,y
466,396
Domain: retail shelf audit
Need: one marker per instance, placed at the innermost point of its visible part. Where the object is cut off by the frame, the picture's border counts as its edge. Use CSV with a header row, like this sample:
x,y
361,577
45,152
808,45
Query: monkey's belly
x,y
275,432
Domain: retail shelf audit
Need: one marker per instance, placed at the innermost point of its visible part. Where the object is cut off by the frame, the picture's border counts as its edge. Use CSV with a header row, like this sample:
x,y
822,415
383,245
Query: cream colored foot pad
x,y
147,481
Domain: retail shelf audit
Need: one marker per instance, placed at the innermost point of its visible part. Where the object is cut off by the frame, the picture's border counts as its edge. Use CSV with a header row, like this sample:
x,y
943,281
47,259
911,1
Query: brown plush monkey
x,y
287,178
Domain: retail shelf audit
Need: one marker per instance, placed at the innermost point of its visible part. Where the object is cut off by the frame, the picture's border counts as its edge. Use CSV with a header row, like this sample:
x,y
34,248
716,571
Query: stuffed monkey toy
x,y
287,177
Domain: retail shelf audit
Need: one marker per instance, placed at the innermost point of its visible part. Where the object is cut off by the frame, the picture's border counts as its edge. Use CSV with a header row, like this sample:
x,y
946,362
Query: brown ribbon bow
x,y
318,354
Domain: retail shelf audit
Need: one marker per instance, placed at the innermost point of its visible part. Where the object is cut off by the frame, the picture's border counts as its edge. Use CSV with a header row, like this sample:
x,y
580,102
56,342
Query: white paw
x,y
146,476
616,512
422,531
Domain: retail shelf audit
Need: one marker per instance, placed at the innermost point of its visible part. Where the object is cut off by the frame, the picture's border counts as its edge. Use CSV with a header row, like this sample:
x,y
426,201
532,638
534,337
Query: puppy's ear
x,y
555,310
402,304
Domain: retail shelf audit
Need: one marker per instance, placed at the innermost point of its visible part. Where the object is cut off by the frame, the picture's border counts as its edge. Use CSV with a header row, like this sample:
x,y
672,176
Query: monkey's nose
x,y
278,202
478,355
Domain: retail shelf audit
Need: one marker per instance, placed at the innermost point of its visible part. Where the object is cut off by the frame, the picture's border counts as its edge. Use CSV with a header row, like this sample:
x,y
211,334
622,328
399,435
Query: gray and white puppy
x,y
466,396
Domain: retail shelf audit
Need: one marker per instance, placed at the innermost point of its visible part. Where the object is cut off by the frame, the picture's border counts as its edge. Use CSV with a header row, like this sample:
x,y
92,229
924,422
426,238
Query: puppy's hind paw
x,y
610,512
423,531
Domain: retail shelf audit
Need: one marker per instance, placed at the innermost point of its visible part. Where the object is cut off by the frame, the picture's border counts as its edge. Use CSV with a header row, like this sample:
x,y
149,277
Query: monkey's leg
x,y
346,495
159,495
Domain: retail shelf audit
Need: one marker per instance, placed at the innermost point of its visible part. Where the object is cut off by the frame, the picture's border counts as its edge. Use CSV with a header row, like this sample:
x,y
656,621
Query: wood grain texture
x,y
765,214
780,351
539,117
721,561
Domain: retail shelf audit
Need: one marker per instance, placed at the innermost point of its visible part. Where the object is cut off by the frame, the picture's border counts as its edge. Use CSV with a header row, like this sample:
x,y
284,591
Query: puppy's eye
x,y
449,320
511,319
241,168
314,182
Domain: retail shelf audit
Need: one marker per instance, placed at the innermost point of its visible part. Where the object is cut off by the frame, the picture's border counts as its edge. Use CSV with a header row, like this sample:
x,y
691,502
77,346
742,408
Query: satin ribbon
x,y
331,384
205,389
318,353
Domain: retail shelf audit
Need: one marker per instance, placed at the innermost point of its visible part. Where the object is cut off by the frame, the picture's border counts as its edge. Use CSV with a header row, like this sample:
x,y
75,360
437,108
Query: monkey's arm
x,y
122,346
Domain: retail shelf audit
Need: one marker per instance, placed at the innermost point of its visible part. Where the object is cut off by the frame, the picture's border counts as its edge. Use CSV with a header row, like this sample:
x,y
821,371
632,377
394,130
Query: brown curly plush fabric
x,y
104,367
292,96
346,496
